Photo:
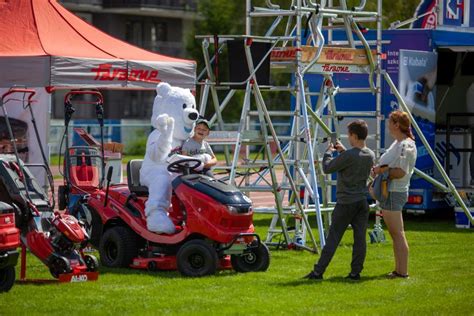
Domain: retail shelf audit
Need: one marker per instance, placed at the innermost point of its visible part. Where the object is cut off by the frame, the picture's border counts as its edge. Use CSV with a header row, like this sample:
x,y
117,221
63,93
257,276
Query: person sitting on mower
x,y
197,147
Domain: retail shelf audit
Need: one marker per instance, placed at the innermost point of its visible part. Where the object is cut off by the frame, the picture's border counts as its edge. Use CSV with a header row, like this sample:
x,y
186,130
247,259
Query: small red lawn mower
x,y
84,168
9,242
56,239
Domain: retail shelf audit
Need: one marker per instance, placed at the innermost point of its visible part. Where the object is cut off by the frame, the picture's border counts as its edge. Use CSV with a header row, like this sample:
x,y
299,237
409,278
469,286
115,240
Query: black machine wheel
x,y
95,228
7,278
90,220
152,266
62,197
118,247
254,259
92,263
58,266
197,258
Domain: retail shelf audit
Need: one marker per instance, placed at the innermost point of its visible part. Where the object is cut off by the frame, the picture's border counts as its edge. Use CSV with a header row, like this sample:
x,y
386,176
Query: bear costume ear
x,y
163,88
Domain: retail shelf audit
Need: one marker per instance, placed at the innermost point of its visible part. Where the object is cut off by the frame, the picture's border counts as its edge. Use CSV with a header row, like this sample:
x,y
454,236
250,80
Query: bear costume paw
x,y
165,124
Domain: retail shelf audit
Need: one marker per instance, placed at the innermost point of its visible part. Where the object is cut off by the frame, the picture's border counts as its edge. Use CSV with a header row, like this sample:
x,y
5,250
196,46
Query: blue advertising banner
x,y
409,57
400,40
416,84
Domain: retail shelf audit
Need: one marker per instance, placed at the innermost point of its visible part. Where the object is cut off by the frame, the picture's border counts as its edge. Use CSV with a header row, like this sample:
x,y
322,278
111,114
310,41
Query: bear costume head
x,y
179,104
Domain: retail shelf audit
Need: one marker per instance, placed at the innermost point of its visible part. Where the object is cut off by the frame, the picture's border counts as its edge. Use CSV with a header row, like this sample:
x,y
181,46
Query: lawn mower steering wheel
x,y
184,166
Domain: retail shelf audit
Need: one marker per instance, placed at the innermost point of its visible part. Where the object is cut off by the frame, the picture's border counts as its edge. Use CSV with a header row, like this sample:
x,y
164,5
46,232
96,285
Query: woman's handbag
x,y
378,188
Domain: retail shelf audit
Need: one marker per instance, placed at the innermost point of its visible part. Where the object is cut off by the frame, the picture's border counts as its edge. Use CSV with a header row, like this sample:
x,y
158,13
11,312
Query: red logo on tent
x,y
105,72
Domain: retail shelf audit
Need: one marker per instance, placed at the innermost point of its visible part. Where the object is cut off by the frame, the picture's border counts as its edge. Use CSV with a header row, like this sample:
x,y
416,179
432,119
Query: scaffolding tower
x,y
290,168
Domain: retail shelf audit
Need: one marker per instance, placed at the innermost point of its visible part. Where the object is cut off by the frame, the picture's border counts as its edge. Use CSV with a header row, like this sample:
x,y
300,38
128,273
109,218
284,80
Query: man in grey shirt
x,y
353,168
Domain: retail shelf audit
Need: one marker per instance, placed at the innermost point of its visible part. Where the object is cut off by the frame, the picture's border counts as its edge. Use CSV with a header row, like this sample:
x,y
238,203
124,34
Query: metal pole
x,y
312,170
248,18
378,82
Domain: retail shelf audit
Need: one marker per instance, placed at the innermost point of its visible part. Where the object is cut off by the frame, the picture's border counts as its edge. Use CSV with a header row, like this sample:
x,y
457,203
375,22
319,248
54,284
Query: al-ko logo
x,y
106,72
79,278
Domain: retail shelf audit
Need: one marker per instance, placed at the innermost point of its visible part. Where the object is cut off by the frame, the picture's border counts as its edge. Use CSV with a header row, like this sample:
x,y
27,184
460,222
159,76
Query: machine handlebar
x,y
30,93
99,98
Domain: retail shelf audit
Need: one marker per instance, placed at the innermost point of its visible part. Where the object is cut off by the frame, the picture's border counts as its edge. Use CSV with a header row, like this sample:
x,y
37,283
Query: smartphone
x,y
333,138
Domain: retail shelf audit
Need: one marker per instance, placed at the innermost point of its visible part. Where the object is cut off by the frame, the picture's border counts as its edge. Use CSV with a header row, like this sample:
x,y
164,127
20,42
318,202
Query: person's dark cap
x,y
202,120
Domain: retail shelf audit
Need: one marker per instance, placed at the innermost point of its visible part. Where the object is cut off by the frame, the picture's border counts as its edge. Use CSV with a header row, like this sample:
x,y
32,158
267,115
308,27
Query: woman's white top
x,y
401,154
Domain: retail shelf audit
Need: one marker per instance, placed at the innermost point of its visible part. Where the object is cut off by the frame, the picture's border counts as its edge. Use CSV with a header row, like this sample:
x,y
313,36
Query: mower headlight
x,y
239,209
232,209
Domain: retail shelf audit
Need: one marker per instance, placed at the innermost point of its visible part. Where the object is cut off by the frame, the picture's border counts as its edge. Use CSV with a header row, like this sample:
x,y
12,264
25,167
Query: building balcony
x,y
180,5
173,49
83,2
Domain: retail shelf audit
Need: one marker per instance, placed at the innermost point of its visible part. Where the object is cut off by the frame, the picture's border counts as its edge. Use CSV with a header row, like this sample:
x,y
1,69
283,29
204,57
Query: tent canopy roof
x,y
43,32
44,27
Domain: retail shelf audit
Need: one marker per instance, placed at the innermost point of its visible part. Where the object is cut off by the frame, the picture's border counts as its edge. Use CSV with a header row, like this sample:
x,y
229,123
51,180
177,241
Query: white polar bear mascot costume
x,y
173,117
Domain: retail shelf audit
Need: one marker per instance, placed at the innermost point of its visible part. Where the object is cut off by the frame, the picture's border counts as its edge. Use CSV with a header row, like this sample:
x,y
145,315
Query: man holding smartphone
x,y
353,168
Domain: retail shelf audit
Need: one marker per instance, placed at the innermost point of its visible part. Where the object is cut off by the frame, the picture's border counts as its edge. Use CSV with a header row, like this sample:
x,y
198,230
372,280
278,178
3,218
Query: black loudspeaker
x,y
467,68
238,68
446,67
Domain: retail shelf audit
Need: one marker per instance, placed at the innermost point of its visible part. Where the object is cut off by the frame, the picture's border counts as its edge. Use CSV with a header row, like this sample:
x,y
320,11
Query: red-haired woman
x,y
400,159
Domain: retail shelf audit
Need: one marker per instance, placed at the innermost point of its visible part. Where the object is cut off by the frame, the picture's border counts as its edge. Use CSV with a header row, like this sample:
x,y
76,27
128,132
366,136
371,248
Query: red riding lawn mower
x,y
214,220
56,239
9,242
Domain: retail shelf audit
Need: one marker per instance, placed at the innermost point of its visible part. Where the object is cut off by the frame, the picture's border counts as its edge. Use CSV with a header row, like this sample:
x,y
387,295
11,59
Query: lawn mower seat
x,y
133,177
83,173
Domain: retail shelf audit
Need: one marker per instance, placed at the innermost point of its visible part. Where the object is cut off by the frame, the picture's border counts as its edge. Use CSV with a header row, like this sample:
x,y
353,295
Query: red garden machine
x,y
56,239
84,166
9,242
214,219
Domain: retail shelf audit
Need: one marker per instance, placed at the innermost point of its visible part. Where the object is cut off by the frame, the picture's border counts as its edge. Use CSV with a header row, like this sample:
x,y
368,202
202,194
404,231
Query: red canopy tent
x,y
44,45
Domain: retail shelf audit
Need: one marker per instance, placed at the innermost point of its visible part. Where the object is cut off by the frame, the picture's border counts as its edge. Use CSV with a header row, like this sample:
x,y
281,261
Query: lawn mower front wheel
x,y
7,278
197,258
256,258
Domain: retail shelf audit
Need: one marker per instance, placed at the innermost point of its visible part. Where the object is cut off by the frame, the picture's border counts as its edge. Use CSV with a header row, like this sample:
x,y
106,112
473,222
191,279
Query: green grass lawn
x,y
441,282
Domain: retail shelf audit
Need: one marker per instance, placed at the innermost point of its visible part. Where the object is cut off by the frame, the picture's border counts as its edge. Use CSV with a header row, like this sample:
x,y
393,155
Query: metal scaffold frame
x,y
297,152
